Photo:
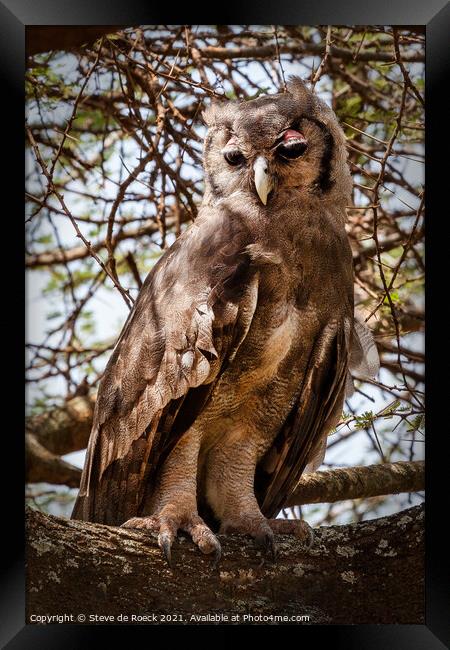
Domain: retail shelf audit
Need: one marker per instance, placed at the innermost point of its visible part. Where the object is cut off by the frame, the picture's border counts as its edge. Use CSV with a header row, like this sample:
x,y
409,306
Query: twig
x,y
125,294
321,67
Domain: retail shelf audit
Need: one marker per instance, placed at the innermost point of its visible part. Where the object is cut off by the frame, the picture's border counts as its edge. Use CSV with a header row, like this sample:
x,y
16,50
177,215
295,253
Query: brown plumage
x,y
232,366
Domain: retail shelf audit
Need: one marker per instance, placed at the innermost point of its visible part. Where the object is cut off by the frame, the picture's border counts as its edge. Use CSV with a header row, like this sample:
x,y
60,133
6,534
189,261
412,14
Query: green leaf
x,y
54,314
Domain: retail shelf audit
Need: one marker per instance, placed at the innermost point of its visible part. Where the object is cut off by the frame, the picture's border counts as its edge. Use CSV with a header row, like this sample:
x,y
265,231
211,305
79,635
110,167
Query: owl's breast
x,y
257,390
269,340
273,353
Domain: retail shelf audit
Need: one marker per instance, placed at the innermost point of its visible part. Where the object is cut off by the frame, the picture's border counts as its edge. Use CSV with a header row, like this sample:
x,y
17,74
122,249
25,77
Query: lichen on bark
x,y
368,572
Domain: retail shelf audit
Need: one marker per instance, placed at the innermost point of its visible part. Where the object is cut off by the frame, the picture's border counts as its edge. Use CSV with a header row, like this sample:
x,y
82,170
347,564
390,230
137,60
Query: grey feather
x,y
364,361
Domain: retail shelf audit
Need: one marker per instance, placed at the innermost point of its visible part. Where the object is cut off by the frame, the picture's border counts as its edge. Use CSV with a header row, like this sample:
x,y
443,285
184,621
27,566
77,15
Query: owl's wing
x,y
192,313
304,432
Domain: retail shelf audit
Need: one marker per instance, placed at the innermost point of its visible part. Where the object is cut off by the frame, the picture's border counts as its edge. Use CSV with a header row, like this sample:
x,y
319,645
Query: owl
x,y
232,366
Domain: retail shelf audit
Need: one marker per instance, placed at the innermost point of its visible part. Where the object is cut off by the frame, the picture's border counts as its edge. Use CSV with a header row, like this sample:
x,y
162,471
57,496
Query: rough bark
x,y
369,572
66,428
359,482
44,466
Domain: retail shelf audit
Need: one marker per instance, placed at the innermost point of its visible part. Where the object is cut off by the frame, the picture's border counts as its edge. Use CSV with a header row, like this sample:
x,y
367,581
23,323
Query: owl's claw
x,y
311,537
257,528
205,539
297,527
273,550
166,525
165,544
267,542
216,558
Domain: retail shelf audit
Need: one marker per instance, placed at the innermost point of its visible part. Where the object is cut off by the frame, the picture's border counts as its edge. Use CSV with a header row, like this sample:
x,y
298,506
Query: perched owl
x,y
231,369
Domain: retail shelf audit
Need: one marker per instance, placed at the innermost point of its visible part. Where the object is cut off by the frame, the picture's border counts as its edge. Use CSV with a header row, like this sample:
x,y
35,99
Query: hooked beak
x,y
263,182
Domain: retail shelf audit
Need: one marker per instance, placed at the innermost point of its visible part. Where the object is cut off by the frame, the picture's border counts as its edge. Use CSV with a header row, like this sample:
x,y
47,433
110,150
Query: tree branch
x,y
270,51
376,567
359,482
47,258
44,467
43,38
65,428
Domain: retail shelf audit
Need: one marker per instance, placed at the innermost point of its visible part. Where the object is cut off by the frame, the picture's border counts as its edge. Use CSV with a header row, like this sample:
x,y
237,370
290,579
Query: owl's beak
x,y
263,181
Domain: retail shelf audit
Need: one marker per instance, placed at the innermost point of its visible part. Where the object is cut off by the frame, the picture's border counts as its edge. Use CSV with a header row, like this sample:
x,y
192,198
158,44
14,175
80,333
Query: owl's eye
x,y
293,145
291,150
234,157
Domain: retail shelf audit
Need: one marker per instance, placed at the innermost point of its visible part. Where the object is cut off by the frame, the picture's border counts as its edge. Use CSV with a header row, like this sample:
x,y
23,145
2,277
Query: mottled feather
x,y
186,325
241,339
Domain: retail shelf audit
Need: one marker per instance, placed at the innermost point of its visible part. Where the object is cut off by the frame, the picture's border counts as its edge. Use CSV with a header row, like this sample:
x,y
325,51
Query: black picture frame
x,y
15,16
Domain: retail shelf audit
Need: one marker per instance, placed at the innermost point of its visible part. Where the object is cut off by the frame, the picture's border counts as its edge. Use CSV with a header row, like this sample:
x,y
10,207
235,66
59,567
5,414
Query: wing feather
x,y
363,359
191,316
301,438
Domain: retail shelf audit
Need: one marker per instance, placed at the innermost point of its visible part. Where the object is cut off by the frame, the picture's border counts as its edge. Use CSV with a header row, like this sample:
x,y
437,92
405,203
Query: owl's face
x,y
275,143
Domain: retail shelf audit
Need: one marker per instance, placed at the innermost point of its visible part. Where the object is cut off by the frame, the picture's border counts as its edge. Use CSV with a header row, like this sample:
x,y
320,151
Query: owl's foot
x,y
258,528
264,530
166,525
297,527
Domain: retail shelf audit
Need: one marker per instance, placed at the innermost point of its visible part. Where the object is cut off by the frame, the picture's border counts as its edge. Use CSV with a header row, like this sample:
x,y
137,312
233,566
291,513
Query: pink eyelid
x,y
290,134
231,142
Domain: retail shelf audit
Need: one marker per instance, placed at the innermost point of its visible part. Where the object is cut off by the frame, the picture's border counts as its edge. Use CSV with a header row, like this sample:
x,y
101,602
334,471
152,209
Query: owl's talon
x,y
267,542
296,527
311,538
273,551
165,544
216,558
171,520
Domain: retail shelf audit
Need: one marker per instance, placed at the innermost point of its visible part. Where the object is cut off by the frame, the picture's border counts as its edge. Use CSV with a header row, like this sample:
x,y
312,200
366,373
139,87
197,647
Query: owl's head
x,y
276,144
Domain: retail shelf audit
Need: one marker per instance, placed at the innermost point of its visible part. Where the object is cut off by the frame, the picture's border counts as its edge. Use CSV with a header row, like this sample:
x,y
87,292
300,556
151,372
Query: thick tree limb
x,y
370,572
43,38
66,428
46,38
305,49
359,482
44,467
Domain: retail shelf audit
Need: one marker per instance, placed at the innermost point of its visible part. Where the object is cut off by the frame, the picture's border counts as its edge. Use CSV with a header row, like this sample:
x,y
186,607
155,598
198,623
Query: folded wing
x,y
190,318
